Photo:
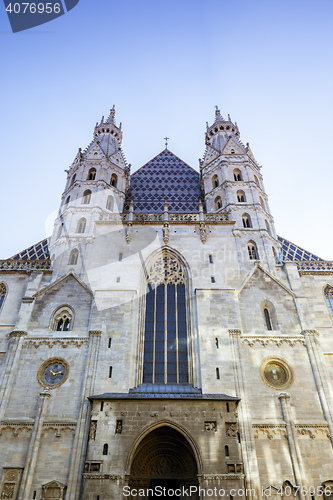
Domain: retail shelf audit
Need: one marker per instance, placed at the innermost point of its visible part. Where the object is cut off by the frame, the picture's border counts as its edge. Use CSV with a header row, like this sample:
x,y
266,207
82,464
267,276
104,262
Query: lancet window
x,y
92,174
114,180
81,225
215,181
246,220
73,258
252,250
3,293
328,292
86,197
166,325
109,203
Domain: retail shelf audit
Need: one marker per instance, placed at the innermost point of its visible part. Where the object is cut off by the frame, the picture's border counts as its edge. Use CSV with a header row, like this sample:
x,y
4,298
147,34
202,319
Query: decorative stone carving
x,y
50,342
10,483
231,430
251,340
210,426
119,427
92,430
153,414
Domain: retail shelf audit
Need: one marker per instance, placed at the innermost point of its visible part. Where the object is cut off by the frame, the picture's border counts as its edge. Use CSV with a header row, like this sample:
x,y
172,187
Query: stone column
x,y
30,464
321,376
10,368
295,454
81,433
251,468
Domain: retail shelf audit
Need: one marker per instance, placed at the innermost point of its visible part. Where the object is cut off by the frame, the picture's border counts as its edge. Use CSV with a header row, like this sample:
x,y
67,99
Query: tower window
x,y
165,345
105,449
62,319
246,220
218,203
91,174
3,293
275,256
241,196
252,250
120,257
110,372
114,180
238,175
215,181
212,279
256,180
86,197
73,179
60,230
109,203
73,258
81,225
328,292
109,343
217,343
210,259
217,373
226,451
262,203
67,200
268,227
267,319
102,406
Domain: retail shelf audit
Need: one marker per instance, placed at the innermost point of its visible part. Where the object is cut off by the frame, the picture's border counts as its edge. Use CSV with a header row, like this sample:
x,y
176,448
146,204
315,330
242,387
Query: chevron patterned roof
x,y
39,251
294,252
165,176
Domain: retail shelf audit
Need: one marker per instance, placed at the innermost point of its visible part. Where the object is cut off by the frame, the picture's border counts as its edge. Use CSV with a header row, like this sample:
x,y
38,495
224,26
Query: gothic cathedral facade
x,y
165,337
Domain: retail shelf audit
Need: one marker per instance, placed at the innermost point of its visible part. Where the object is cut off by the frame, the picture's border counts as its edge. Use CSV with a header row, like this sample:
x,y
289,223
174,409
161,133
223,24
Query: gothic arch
x,y
3,294
180,267
64,312
146,431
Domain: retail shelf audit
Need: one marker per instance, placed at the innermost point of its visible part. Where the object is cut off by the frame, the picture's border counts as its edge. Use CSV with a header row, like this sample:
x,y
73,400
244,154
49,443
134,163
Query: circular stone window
x,y
53,373
276,373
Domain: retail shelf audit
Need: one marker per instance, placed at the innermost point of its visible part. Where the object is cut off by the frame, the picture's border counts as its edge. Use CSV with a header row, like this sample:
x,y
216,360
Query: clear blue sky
x,y
165,65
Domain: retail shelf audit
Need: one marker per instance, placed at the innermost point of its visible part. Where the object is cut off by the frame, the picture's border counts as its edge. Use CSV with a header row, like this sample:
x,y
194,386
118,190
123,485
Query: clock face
x,y
54,374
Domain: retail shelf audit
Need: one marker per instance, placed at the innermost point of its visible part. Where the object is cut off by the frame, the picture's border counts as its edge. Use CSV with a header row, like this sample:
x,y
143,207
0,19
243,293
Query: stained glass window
x,y
165,345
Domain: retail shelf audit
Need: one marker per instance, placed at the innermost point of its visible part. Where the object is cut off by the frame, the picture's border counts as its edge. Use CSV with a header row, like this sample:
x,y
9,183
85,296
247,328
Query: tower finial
x,y
166,142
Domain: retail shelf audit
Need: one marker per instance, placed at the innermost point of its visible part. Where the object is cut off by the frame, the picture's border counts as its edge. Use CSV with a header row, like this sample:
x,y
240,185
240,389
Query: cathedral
x,y
164,341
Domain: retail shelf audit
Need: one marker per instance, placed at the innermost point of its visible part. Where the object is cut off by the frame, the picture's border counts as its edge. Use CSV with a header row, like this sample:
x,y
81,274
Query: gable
x,y
234,146
67,291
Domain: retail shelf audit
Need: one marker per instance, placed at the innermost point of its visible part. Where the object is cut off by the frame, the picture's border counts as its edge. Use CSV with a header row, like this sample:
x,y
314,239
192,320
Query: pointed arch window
x,y
3,293
241,196
328,292
268,227
267,319
91,174
81,225
262,203
73,258
246,220
114,180
252,250
215,181
238,175
218,202
86,197
110,203
166,326
62,319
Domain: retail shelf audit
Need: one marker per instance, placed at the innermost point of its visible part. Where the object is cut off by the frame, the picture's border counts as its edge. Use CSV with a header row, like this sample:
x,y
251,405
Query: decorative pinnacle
x,y
218,116
166,142
111,115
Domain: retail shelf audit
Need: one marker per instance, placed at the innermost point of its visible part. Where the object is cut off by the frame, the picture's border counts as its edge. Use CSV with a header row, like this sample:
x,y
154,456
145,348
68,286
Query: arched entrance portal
x,y
164,459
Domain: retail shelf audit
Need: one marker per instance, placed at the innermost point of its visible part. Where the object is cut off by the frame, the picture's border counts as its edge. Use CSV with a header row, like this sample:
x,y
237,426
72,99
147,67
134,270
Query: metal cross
x,y
166,142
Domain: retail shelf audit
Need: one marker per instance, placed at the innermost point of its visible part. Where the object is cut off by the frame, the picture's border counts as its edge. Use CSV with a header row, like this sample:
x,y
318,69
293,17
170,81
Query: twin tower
x,y
99,188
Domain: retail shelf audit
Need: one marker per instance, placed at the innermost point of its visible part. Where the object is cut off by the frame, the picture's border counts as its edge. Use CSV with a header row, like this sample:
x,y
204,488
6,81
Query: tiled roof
x,y
39,251
294,252
165,176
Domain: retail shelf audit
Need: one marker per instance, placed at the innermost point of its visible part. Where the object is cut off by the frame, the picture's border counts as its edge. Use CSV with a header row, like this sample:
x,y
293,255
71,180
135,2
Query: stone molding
x,y
236,332
64,342
312,333
222,477
270,431
95,333
17,334
112,477
251,340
